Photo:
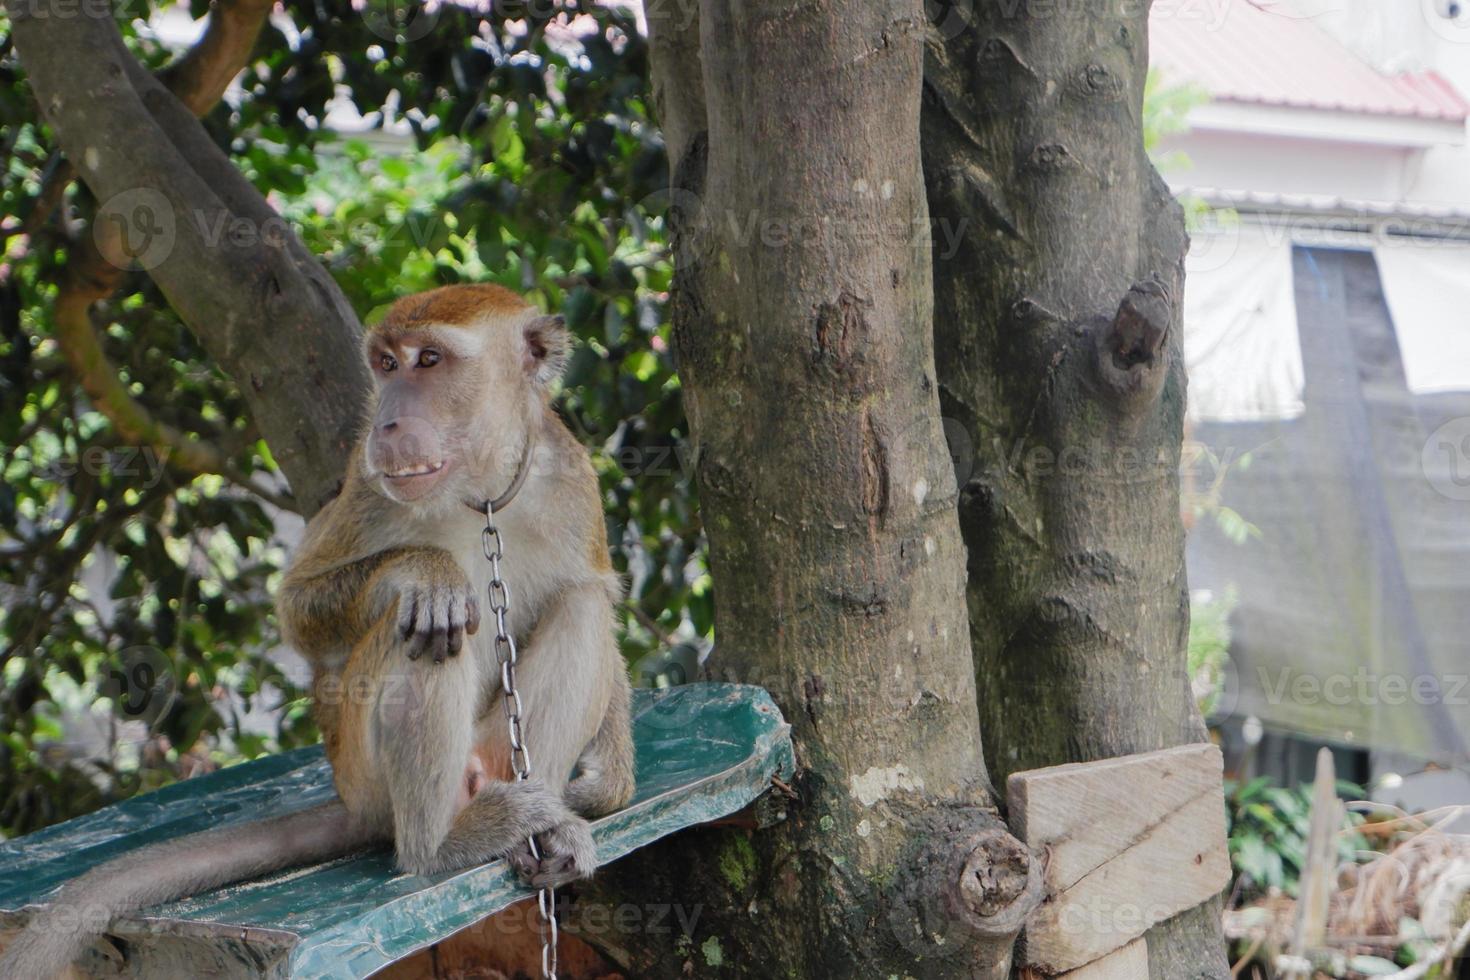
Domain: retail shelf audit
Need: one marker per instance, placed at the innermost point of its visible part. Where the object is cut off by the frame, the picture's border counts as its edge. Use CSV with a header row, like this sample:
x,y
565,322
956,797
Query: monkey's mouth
x,y
408,483
420,469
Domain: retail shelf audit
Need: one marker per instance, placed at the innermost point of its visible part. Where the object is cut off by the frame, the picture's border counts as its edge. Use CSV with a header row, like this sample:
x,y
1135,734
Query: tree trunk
x,y
802,324
1058,272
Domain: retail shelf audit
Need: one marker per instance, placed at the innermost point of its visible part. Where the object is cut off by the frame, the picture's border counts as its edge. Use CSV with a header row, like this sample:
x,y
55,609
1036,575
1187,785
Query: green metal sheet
x,y
703,751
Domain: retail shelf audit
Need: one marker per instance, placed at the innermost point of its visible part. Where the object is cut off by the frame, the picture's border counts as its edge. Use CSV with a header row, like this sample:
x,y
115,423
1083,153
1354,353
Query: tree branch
x,y
229,265
199,79
88,279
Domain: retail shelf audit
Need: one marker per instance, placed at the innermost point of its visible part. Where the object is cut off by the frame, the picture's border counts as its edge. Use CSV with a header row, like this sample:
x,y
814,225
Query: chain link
x,y
520,755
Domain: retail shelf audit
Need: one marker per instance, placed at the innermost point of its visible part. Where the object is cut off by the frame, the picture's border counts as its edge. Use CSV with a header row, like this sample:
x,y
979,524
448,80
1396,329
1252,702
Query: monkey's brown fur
x,y
385,599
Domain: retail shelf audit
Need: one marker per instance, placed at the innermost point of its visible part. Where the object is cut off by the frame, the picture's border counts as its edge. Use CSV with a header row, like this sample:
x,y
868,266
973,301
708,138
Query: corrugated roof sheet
x,y
1270,56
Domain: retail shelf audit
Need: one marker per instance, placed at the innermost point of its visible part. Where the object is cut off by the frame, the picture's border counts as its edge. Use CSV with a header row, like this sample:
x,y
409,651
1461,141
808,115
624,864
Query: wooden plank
x,y
703,751
1128,963
1129,843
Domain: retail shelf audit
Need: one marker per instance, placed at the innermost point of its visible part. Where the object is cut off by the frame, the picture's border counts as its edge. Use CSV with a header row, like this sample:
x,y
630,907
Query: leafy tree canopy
x,y
513,146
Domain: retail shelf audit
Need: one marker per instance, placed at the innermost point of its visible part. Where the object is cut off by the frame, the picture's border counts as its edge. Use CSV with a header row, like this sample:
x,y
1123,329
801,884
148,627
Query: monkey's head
x,y
461,373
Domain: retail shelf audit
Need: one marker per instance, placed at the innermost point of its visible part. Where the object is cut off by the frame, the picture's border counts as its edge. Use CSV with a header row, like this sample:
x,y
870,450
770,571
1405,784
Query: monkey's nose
x,y
389,426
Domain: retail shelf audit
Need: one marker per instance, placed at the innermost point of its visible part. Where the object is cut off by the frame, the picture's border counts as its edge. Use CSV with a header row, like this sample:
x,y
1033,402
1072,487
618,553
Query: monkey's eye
x,y
428,357
388,363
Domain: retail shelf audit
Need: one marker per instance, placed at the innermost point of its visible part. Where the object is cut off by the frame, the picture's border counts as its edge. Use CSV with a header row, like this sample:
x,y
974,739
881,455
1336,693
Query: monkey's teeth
x,y
423,470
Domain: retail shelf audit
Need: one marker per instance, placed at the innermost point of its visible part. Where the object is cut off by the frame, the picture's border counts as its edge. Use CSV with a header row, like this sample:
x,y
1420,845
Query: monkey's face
x,y
416,442
460,375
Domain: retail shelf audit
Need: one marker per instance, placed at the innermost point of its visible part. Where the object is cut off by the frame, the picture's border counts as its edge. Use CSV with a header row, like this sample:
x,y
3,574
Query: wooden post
x,y
1319,876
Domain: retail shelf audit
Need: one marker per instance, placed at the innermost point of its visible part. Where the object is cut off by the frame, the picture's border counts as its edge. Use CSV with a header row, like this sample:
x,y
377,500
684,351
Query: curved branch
x,y
256,298
199,80
200,77
89,278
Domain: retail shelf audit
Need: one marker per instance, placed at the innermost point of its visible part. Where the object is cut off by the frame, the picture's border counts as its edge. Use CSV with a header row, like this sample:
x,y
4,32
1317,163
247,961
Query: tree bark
x,y
263,306
802,314
96,262
1058,271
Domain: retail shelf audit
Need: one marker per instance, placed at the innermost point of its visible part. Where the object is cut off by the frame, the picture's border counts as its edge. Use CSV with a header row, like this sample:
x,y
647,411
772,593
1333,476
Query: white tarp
x,y
1240,333
1427,285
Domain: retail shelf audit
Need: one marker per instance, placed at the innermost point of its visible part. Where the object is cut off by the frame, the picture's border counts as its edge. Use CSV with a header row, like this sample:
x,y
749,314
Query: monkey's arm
x,y
344,578
325,608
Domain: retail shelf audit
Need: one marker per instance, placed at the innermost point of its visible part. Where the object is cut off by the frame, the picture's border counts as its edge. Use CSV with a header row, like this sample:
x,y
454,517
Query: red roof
x,y
1267,54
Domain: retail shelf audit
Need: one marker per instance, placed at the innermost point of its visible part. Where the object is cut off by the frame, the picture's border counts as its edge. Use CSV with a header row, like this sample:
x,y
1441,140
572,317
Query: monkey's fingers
x,y
408,615
437,635
522,862
567,854
471,615
553,872
426,627
454,636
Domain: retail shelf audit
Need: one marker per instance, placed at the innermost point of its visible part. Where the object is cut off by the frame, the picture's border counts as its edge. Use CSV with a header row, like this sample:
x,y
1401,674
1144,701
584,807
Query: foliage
x,y
137,640
1206,501
1166,108
1405,867
1209,646
1268,828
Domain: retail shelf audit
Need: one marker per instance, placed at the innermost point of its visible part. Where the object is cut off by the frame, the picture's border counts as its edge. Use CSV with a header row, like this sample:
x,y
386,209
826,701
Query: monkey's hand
x,y
436,606
567,854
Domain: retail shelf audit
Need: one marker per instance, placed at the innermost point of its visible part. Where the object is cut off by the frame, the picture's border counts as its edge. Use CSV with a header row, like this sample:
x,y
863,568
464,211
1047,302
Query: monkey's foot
x,y
568,853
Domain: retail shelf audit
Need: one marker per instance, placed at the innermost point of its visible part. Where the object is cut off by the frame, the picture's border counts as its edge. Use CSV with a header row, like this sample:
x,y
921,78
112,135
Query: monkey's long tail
x,y
171,870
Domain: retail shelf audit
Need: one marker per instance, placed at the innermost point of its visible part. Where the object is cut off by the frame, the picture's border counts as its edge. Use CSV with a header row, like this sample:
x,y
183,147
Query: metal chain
x,y
520,756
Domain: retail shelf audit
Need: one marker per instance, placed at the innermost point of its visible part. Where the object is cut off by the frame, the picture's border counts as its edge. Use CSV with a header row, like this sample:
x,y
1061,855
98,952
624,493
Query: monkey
x,y
387,599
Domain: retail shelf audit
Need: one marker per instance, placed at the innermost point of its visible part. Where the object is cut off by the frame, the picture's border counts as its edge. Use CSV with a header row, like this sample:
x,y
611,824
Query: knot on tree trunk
x,y
998,882
968,892
1132,346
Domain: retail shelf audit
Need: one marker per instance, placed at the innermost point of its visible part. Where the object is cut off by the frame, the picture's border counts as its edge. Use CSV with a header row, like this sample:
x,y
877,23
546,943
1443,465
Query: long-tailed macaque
x,y
386,598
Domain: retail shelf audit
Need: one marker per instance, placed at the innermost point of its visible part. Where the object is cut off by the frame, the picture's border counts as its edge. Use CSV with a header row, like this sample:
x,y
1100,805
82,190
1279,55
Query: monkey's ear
x,y
548,345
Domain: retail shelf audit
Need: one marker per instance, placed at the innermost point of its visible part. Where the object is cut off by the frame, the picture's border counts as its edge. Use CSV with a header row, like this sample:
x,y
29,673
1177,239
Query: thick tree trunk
x,y
802,325
1060,370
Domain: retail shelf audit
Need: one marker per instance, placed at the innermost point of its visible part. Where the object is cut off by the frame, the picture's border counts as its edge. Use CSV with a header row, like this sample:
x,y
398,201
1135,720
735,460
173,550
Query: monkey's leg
x,y
604,779
405,755
571,679
569,676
